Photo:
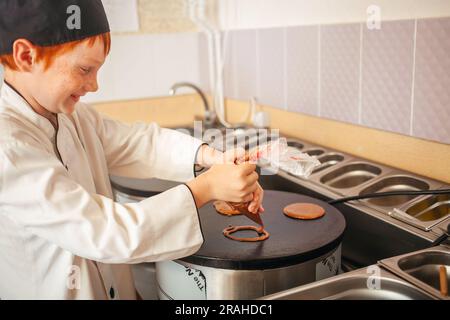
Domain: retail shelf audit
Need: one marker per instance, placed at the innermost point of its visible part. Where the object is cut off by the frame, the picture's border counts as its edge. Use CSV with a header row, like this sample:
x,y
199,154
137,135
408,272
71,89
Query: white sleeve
x,y
145,150
37,193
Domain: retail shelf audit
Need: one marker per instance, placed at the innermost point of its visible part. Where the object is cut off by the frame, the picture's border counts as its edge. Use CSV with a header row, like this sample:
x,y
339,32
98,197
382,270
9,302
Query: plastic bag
x,y
280,156
293,160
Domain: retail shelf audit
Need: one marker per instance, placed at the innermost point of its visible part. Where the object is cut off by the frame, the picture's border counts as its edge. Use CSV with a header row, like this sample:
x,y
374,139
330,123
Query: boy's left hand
x,y
255,206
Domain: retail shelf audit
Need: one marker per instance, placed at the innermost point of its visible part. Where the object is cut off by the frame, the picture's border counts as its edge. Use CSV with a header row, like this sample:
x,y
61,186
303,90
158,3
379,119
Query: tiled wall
x,y
395,79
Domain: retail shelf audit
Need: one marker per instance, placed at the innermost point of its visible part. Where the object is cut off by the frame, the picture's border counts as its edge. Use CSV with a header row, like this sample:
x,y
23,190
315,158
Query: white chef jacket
x,y
62,236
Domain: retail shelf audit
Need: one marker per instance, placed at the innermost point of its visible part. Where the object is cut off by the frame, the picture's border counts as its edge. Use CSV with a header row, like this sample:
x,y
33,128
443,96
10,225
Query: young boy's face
x,y
70,76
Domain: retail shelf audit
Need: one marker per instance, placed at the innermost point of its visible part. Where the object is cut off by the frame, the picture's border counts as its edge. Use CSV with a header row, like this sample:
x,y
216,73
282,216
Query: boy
x,y
61,234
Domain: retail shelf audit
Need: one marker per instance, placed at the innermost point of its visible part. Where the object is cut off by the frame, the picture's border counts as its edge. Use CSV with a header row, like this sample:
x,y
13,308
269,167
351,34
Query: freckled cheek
x,y
76,82
71,80
72,85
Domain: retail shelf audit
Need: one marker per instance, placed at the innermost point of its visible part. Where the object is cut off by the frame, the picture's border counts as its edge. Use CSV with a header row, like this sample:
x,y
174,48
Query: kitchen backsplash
x,y
395,79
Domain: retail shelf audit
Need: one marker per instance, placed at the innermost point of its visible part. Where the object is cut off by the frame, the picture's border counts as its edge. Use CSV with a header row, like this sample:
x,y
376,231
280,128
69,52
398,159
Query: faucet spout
x,y
176,86
210,116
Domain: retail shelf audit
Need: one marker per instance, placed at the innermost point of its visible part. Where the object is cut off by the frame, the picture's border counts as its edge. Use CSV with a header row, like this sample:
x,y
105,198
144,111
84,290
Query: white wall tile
x,y
302,69
387,76
340,54
245,64
229,65
203,63
176,59
271,80
431,109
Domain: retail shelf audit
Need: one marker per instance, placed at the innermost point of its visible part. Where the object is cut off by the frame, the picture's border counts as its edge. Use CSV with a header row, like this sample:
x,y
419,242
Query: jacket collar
x,y
13,100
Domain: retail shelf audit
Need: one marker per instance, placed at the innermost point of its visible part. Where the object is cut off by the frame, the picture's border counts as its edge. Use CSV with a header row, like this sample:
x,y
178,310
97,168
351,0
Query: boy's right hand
x,y
230,182
227,182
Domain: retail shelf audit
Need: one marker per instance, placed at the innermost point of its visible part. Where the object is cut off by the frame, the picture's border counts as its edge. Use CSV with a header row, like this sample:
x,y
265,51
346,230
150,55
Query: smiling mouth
x,y
75,98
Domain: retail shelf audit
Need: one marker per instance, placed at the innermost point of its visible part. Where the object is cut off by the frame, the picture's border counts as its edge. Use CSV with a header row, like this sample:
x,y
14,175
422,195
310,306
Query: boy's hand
x,y
255,205
233,155
234,183
208,156
228,182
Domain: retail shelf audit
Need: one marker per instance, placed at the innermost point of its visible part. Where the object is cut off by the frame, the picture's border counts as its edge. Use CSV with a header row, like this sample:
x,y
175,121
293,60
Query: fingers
x,y
248,197
249,186
255,205
251,180
247,168
246,194
234,155
243,183
239,152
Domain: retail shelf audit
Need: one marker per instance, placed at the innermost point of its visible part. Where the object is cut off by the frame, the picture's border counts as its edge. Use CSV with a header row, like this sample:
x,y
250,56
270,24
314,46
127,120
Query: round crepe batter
x,y
304,211
262,233
224,208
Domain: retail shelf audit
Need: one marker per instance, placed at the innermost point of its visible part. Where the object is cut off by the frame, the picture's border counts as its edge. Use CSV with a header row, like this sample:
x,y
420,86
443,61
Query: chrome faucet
x,y
210,115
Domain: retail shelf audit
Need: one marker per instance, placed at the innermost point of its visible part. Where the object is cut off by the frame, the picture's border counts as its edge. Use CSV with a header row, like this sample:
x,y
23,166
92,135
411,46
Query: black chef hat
x,y
50,22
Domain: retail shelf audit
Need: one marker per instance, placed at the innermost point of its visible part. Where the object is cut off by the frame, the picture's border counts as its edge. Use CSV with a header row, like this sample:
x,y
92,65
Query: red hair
x,y
48,54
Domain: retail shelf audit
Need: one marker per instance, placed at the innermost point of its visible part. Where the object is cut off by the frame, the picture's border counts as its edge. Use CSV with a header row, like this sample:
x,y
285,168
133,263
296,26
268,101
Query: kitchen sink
x,y
328,160
372,283
350,175
394,183
422,268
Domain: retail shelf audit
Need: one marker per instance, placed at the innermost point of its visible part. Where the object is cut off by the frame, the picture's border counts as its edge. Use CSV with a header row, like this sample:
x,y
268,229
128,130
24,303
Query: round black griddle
x,y
291,241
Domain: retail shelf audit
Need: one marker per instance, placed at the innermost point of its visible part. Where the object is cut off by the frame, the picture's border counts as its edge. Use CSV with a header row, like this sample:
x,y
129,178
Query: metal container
x,y
297,252
426,212
328,160
350,175
394,183
421,268
371,283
